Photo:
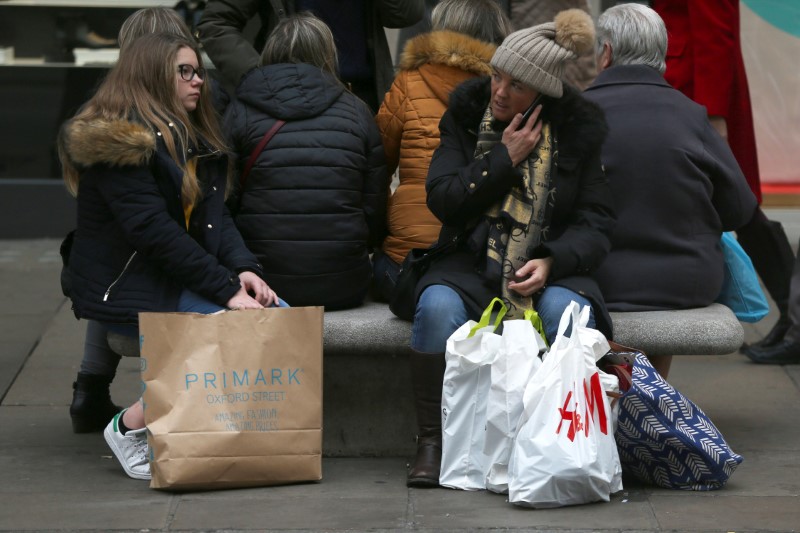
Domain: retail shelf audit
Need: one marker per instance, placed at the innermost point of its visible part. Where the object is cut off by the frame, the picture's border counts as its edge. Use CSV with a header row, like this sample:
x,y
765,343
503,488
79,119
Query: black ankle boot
x,y
91,408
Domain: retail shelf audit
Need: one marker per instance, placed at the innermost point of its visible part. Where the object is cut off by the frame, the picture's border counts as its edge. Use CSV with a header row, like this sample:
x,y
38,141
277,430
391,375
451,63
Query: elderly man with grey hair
x,y
676,183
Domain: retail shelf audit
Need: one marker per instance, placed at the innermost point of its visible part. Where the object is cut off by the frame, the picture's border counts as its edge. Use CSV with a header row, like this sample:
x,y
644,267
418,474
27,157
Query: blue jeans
x,y
384,276
551,306
440,311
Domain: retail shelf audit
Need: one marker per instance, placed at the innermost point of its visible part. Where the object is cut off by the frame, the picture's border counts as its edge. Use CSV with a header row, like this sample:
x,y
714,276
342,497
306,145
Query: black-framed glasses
x,y
188,72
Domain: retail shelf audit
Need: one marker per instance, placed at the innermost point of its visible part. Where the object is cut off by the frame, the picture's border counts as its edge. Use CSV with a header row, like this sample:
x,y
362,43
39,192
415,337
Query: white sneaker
x,y
130,448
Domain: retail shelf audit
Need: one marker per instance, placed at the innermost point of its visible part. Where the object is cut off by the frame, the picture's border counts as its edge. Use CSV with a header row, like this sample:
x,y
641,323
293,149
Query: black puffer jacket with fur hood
x,y
132,250
461,189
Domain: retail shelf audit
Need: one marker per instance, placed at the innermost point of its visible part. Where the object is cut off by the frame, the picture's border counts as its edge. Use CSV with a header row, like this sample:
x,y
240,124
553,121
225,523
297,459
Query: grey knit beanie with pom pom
x,y
535,56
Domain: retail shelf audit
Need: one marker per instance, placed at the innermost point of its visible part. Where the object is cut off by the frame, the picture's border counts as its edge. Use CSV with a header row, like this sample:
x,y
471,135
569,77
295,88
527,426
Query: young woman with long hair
x,y
148,164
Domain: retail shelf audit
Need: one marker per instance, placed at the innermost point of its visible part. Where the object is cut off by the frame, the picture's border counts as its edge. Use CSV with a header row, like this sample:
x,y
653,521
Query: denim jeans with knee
x,y
440,311
551,306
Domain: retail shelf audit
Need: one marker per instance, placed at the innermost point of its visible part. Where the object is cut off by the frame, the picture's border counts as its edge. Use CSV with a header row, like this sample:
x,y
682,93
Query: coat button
x,y
189,150
215,188
210,226
171,125
485,173
472,186
158,133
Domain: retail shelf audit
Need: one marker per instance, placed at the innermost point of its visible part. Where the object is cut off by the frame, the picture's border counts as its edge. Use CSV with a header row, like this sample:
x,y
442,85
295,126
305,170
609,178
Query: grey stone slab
x,y
453,509
45,427
756,407
57,355
39,452
36,426
356,477
368,407
29,277
46,378
718,512
710,330
97,511
88,467
372,328
765,473
19,334
353,494
315,512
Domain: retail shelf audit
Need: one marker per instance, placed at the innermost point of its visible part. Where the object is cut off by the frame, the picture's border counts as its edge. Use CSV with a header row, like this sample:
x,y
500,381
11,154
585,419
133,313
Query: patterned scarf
x,y
516,222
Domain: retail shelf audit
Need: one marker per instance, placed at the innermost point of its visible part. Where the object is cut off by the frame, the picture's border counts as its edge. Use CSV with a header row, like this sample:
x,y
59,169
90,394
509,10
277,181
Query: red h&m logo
x,y
594,402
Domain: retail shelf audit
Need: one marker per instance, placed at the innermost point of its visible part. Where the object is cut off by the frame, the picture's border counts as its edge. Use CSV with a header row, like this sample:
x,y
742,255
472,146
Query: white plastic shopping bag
x,y
470,352
516,361
564,451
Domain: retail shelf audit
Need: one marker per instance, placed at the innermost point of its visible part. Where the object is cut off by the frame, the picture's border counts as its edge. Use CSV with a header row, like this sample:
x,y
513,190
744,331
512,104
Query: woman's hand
x,y
533,276
242,300
520,143
253,284
262,297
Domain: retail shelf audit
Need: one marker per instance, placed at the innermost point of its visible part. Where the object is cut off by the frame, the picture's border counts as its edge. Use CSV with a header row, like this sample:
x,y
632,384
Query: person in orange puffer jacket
x,y
464,37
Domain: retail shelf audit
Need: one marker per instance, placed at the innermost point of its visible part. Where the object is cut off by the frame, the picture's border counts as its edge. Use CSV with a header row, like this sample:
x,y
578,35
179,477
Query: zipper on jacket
x,y
108,290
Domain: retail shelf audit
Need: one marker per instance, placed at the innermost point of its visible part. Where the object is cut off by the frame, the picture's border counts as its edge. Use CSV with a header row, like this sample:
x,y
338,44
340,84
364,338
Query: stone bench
x,y
367,390
368,407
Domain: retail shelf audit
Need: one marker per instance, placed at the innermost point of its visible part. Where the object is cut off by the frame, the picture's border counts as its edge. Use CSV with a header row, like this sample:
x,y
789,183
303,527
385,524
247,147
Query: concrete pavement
x,y
54,480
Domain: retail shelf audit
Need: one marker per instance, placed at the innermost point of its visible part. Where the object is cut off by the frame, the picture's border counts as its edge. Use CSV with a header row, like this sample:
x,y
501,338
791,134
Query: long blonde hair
x,y
142,87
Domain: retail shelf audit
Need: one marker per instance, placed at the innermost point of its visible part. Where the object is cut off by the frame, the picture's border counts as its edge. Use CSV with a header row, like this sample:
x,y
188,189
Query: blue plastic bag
x,y
741,290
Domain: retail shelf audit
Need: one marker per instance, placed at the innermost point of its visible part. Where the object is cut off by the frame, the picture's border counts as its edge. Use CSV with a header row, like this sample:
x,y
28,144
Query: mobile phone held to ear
x,y
528,112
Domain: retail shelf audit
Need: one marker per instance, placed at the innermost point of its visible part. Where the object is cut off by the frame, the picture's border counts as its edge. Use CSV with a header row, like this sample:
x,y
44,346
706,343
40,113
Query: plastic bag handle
x,y
571,314
533,317
487,315
584,318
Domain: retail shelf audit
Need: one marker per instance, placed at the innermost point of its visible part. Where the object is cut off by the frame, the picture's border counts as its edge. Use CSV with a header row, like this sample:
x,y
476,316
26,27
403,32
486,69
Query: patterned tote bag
x,y
664,439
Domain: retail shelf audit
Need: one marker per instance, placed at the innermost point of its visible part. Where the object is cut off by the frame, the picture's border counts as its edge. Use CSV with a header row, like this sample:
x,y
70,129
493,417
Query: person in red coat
x,y
704,61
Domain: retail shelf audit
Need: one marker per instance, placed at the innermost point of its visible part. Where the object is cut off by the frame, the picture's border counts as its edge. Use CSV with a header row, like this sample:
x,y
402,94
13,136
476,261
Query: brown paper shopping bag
x,y
233,399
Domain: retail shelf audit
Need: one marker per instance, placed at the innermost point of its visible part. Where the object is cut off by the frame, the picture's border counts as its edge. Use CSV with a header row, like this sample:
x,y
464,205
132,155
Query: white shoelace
x,y
140,447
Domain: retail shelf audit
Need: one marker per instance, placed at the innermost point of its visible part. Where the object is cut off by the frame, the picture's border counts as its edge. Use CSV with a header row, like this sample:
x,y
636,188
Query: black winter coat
x,y
222,31
677,187
315,200
132,251
461,189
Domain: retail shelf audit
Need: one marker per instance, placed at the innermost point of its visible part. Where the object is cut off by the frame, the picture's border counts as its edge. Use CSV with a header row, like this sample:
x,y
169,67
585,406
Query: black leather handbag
x,y
404,301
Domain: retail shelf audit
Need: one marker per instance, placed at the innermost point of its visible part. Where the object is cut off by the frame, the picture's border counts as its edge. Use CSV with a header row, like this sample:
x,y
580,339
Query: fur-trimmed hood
x,y
448,48
441,58
572,116
114,142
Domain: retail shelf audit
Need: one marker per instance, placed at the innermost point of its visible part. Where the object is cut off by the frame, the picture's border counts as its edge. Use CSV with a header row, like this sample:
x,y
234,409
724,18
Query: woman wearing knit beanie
x,y
528,198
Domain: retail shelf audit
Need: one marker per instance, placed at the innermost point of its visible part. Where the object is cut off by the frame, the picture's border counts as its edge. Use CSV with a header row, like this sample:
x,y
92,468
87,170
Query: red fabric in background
x,y
704,61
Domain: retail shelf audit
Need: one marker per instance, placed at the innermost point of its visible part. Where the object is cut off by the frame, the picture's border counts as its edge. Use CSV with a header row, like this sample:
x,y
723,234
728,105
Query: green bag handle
x,y
533,317
487,315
